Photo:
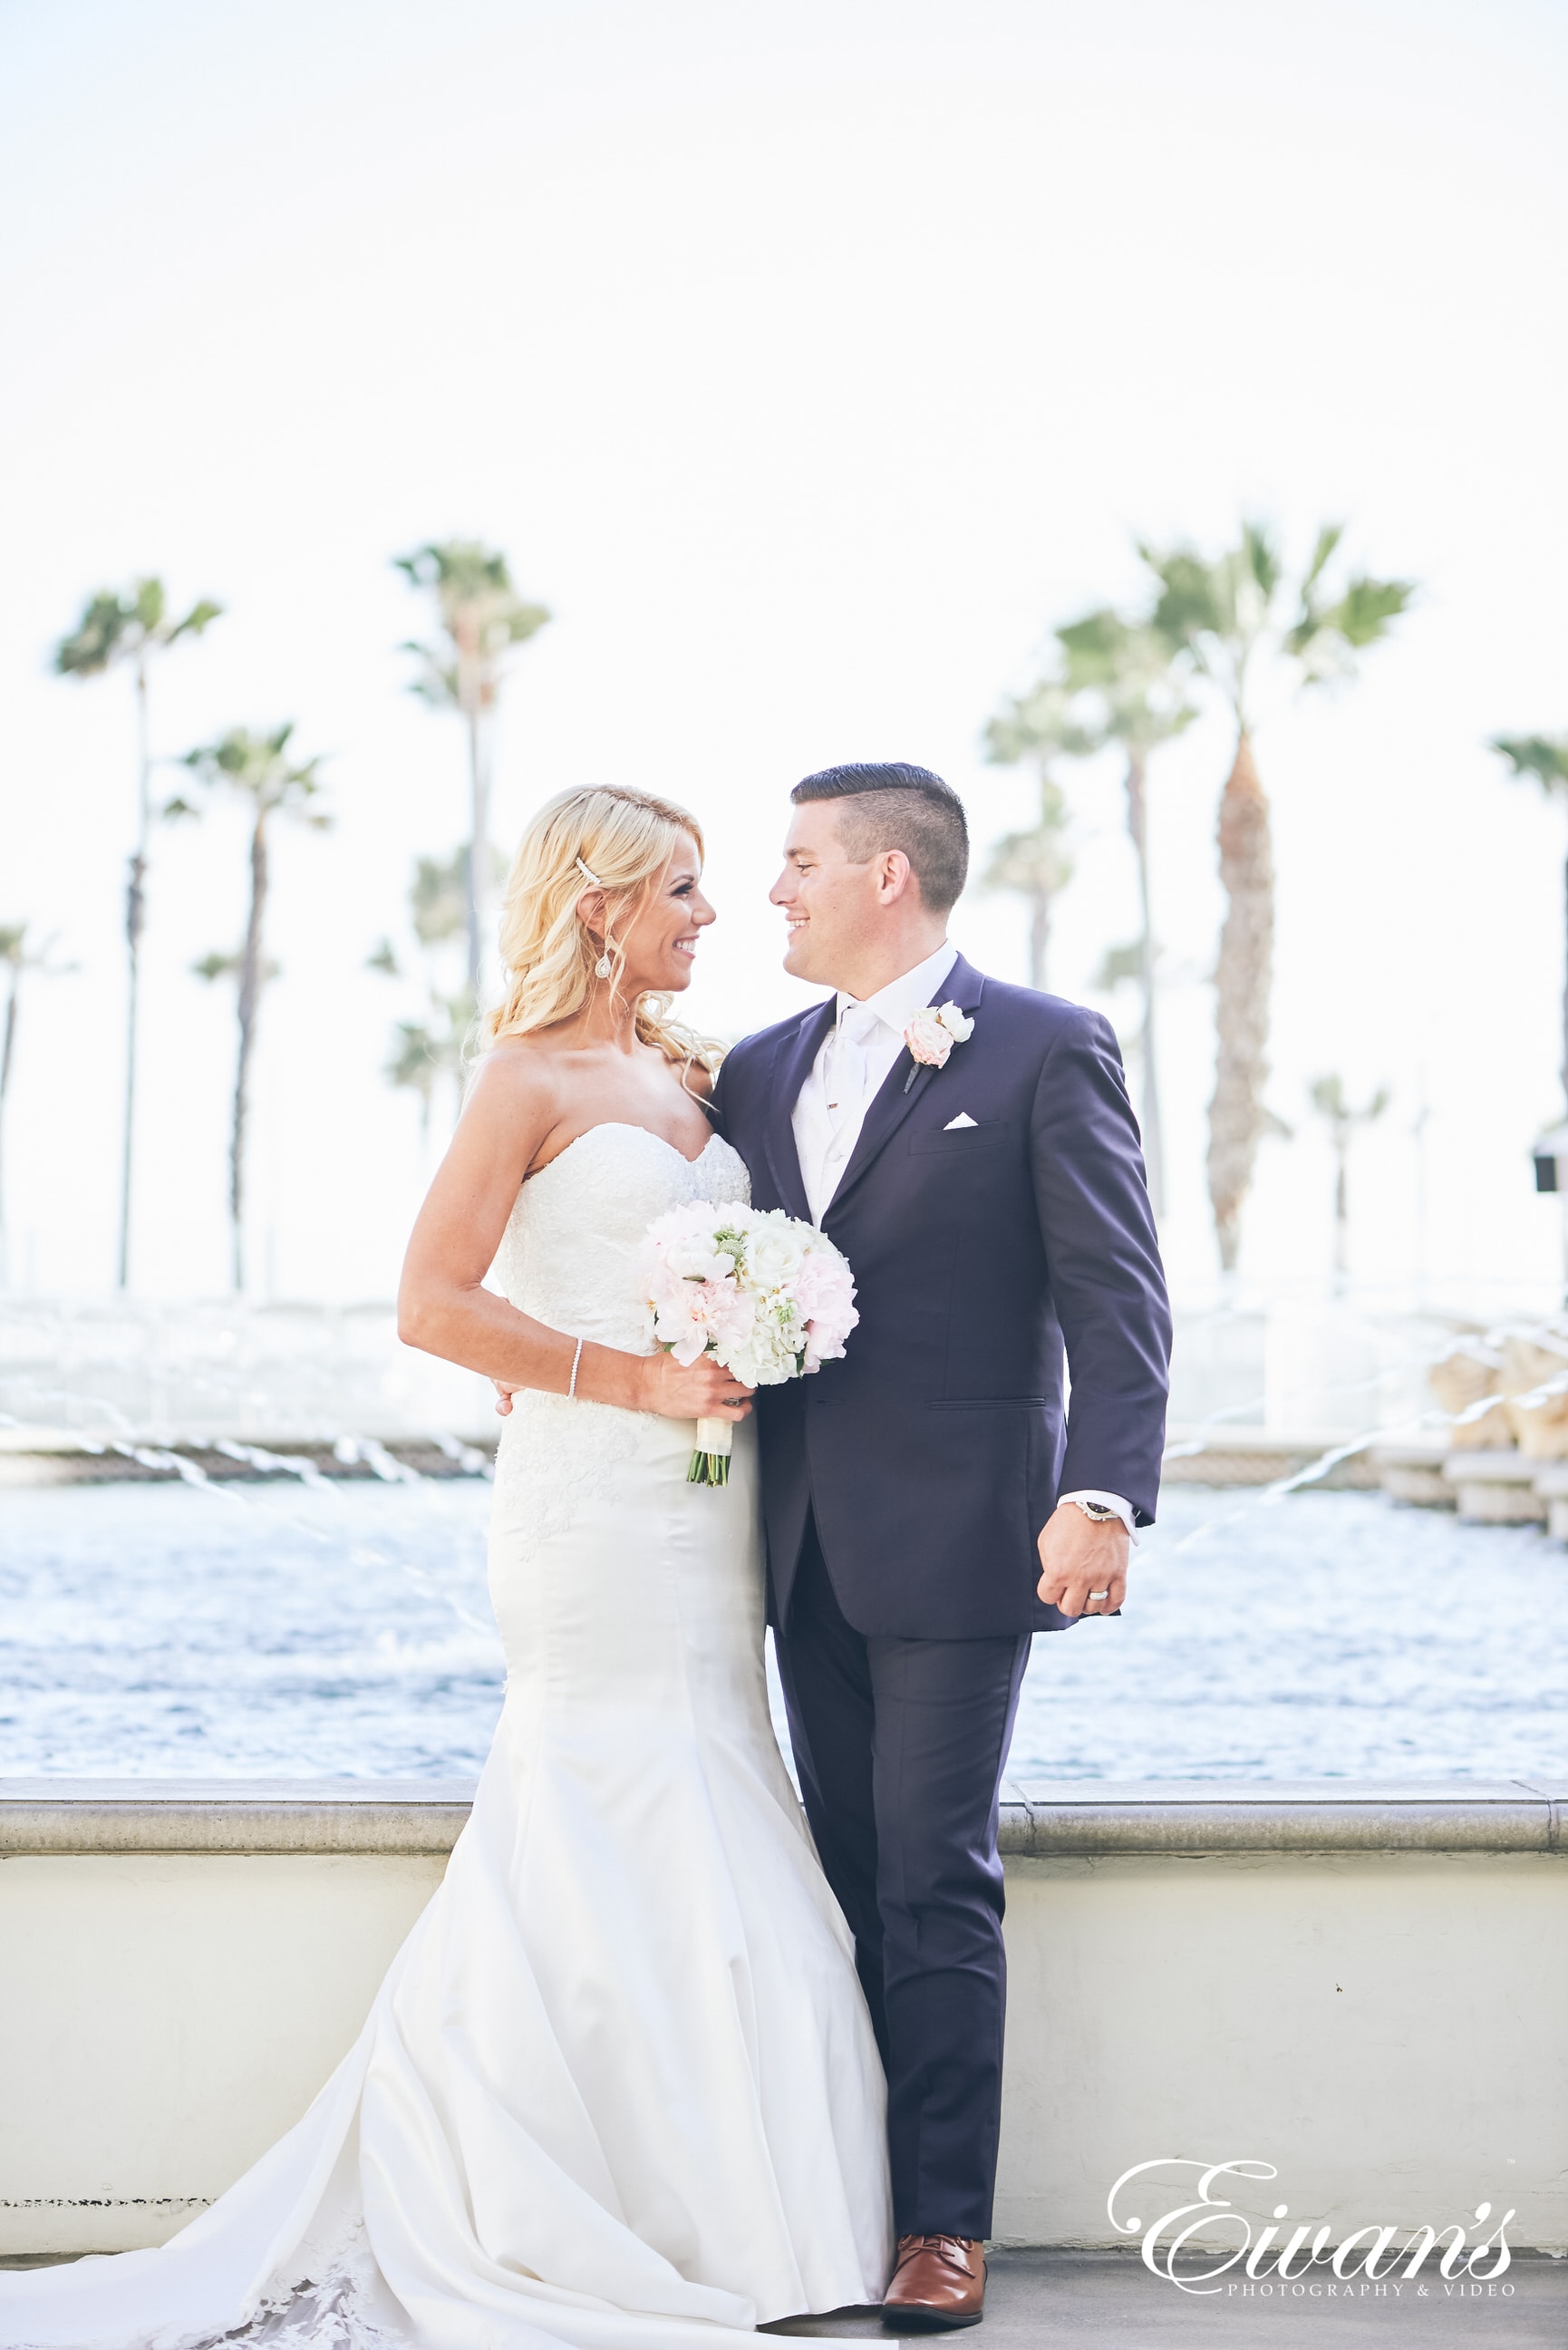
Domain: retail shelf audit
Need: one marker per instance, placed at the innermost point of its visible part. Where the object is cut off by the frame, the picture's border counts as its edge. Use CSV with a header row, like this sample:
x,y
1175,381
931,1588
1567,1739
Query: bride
x,y
618,2090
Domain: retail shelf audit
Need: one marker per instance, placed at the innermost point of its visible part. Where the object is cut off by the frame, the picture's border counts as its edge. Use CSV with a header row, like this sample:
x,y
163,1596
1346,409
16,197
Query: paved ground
x,y
1110,2300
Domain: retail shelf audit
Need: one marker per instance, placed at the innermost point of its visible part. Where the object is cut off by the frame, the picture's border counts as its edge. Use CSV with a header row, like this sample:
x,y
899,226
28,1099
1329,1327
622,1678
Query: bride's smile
x,y
656,948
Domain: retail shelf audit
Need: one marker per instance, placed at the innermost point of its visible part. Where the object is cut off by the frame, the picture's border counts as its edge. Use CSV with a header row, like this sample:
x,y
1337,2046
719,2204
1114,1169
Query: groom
x,y
930,1501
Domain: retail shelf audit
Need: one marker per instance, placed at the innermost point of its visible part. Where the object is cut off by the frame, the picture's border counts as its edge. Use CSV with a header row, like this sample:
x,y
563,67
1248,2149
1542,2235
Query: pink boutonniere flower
x,y
931,1036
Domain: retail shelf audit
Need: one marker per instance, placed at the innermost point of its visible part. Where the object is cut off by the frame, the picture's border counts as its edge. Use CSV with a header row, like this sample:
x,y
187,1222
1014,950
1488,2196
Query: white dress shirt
x,y
852,1065
850,1070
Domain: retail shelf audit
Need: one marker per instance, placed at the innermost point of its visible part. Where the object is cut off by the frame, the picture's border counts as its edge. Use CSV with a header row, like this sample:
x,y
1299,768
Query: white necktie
x,y
846,1078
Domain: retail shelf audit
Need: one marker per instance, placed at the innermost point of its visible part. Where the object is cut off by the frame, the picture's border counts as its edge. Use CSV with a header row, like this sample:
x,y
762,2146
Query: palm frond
x,y
201,616
1362,613
149,602
1039,725
1194,598
1034,862
258,766
1543,757
98,638
1119,965
216,966
1260,558
1328,538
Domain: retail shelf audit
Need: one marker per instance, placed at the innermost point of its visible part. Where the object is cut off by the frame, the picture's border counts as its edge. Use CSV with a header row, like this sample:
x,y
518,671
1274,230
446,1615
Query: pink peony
x,y
692,1317
928,1040
825,1295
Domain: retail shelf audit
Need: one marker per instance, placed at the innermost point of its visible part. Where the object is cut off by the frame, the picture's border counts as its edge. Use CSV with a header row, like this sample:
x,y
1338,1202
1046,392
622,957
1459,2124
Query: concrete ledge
x,y
1041,1819
1205,1816
232,1816
1357,1983
1496,1488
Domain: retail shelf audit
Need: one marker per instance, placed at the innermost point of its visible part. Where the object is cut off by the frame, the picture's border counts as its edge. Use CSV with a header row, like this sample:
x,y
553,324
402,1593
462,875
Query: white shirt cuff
x,y
1107,1501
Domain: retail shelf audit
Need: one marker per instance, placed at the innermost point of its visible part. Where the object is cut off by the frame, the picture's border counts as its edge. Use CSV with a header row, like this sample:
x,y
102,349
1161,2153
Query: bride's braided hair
x,y
624,839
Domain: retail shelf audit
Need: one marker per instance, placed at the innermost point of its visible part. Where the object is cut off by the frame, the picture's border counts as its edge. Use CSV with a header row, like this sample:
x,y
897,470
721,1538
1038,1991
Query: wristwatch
x,y
1099,1511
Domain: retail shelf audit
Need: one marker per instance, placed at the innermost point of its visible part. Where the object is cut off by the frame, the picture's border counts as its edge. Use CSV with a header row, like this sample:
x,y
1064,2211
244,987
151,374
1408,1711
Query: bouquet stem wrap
x,y
710,1461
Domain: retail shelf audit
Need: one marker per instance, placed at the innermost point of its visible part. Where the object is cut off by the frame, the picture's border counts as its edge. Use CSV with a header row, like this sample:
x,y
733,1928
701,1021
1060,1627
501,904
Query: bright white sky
x,y
810,361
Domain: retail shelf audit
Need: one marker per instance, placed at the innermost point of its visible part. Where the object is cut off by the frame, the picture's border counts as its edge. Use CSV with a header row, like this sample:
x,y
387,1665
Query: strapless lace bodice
x,y
567,1254
568,1258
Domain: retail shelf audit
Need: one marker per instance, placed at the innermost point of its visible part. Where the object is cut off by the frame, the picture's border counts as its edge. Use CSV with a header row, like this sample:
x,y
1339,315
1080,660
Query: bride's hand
x,y
701,1391
651,1383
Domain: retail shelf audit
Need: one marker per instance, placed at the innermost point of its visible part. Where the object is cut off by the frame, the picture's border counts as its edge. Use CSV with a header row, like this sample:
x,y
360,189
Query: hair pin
x,y
588,875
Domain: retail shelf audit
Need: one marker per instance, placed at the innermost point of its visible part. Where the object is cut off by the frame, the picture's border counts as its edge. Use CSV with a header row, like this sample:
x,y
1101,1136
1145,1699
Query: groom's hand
x,y
1082,1562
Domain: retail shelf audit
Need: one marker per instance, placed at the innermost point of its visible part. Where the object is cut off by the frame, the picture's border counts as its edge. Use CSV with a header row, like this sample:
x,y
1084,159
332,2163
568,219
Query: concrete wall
x,y
1362,1986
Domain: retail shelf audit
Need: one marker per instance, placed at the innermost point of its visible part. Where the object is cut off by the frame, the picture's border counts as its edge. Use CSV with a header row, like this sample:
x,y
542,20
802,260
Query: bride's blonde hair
x,y
620,840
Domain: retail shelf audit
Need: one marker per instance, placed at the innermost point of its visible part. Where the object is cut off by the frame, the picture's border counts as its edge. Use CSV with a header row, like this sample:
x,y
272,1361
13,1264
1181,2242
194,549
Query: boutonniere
x,y
931,1036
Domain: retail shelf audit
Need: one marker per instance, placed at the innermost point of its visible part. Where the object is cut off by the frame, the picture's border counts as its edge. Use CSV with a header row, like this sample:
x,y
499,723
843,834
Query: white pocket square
x,y
963,1118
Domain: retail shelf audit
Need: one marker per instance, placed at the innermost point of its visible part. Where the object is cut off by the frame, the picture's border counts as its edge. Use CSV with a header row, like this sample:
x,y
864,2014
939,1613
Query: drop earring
x,y
602,968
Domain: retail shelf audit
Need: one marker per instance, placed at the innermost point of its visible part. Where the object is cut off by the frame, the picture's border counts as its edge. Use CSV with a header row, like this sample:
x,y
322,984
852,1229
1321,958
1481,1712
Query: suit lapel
x,y
793,1057
964,986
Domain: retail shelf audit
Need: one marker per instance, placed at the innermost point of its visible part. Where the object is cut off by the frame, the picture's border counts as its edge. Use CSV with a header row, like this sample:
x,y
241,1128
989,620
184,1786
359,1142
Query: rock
x,y
1533,1367
1470,1371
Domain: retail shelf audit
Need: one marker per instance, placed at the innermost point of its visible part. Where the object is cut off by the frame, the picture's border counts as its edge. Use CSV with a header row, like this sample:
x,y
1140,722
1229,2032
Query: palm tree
x,y
15,957
1544,757
1038,726
1329,1100
133,628
259,769
435,1045
1221,615
1127,672
426,1050
483,619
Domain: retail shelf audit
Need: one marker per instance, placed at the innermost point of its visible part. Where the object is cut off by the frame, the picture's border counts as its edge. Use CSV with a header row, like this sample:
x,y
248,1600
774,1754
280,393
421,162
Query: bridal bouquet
x,y
761,1292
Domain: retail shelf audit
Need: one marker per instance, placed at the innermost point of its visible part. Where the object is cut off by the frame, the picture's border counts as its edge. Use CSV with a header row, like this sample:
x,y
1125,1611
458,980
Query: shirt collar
x,y
896,1004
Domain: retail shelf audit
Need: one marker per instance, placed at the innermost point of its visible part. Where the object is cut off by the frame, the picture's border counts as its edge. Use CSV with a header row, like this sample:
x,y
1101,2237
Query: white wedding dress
x,y
618,2089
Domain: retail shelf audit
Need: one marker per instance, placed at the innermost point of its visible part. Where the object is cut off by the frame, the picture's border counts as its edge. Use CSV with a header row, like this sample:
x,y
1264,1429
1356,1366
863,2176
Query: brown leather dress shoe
x,y
937,2281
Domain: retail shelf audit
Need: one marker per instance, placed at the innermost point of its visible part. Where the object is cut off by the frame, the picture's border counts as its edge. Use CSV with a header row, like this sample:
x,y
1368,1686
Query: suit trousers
x,y
900,1746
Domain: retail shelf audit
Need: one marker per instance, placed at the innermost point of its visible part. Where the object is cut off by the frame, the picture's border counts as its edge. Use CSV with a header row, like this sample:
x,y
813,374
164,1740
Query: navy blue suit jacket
x,y
933,1453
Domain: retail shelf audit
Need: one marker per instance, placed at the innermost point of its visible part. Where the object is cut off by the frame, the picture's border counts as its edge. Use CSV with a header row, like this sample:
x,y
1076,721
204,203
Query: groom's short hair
x,y
892,804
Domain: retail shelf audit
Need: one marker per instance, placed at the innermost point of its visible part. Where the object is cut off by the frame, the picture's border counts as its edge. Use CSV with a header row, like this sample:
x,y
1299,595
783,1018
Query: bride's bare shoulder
x,y
516,1074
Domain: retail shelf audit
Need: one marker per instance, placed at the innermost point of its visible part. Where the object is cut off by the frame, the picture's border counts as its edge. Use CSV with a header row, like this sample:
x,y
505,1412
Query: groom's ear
x,y
895,876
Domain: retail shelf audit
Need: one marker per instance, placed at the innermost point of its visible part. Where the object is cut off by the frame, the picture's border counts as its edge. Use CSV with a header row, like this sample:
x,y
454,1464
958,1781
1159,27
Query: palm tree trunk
x,y
478,834
1153,1137
1341,1210
1039,936
1242,980
249,994
135,918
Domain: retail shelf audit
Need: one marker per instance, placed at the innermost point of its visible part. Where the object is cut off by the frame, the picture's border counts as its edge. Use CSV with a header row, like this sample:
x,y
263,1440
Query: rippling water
x,y
163,1632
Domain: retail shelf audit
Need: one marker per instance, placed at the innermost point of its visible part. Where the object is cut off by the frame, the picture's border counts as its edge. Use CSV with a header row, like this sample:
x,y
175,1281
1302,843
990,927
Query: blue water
x,y
163,1632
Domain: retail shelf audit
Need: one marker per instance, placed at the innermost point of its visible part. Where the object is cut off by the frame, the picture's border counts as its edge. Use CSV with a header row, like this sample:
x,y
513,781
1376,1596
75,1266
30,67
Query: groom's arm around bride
x,y
935,1497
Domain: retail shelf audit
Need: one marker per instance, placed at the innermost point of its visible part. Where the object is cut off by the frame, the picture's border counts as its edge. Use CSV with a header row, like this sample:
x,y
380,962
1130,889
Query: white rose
x,y
775,1253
